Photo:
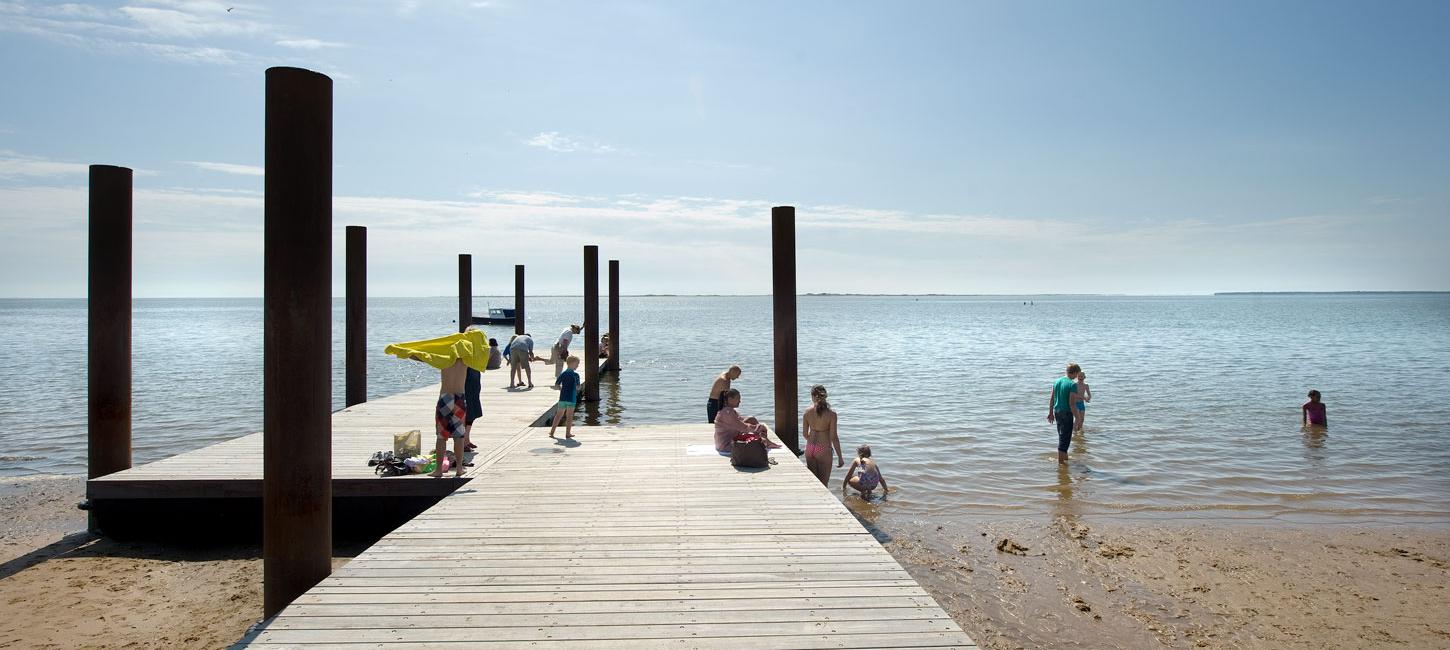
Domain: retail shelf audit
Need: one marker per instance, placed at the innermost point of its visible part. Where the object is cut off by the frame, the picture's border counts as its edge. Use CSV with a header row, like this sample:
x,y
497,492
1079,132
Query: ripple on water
x,y
1195,409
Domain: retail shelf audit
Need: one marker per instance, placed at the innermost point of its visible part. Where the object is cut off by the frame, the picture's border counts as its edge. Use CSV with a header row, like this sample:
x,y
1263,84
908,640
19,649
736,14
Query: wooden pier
x,y
627,537
233,469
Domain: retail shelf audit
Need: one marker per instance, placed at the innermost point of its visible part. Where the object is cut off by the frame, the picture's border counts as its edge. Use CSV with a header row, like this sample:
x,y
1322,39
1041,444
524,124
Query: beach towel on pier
x,y
442,352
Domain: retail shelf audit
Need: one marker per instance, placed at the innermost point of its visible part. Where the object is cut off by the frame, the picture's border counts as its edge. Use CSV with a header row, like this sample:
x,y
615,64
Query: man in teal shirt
x,y
1059,409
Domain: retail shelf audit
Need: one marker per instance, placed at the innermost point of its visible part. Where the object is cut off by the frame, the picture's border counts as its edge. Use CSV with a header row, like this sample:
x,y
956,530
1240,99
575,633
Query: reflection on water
x,y
609,410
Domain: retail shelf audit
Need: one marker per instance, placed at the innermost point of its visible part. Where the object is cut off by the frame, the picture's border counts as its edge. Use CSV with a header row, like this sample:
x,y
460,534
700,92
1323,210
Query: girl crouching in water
x,y
819,426
869,477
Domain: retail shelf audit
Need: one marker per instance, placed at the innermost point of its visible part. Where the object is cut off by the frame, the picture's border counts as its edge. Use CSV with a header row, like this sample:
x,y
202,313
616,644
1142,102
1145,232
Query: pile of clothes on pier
x,y
386,463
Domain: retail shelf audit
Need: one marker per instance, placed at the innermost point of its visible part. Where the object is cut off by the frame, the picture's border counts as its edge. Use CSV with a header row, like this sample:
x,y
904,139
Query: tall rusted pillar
x,y
357,315
297,337
108,307
782,273
465,291
614,315
518,299
591,324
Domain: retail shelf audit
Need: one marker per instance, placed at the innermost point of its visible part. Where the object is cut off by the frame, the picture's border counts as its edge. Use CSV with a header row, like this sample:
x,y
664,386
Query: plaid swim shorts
x,y
449,416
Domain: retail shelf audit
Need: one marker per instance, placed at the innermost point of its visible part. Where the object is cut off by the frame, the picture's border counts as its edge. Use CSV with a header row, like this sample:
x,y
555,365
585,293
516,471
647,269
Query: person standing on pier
x,y
717,392
818,426
520,349
1059,409
560,351
450,416
568,385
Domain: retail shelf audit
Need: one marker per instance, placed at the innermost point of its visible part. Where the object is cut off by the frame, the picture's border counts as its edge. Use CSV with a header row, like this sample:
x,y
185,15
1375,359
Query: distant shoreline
x,y
844,295
1329,293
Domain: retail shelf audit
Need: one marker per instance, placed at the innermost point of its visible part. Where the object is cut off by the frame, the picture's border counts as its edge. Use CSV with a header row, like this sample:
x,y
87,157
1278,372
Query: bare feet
x,y
568,435
438,474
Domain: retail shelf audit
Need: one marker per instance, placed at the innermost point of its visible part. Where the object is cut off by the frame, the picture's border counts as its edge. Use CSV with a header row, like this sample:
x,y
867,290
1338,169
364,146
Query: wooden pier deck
x,y
629,538
233,469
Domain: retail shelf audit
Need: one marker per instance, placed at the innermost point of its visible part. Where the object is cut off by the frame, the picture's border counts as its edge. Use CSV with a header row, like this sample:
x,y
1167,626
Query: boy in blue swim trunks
x,y
568,385
1084,395
1059,409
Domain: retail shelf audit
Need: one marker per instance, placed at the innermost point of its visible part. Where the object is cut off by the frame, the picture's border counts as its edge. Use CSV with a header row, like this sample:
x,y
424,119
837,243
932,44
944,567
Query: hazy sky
x,y
954,147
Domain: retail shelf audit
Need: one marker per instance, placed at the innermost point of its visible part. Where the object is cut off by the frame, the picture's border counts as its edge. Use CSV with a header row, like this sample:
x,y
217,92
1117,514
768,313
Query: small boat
x,y
496,316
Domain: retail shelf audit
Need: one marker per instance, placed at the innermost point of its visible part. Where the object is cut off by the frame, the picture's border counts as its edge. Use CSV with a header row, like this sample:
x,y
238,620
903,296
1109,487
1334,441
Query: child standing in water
x,y
1313,411
568,385
869,477
818,425
1084,395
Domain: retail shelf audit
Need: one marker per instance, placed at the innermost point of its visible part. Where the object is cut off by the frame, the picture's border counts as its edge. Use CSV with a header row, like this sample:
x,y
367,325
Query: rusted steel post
x,y
518,299
465,291
297,337
614,315
782,272
357,315
591,324
108,307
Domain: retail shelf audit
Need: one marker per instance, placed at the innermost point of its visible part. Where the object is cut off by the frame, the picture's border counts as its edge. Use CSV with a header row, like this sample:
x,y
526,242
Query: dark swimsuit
x,y
712,406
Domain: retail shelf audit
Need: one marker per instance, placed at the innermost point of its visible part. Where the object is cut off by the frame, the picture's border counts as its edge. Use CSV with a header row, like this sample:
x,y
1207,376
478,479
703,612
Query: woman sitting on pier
x,y
728,424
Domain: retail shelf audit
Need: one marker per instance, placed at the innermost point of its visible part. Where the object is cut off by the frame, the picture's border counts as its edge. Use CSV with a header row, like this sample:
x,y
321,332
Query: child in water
x,y
1313,411
869,477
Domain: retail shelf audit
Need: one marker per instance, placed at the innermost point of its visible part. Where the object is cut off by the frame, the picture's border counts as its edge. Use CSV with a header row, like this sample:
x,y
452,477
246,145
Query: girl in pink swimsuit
x,y
818,424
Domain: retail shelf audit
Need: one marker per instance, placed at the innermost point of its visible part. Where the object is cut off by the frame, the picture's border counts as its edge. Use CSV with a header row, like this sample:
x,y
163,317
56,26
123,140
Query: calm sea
x,y
1195,409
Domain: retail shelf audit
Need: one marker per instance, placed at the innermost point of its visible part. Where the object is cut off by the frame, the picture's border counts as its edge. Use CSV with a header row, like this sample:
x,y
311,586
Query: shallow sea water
x,y
1195,410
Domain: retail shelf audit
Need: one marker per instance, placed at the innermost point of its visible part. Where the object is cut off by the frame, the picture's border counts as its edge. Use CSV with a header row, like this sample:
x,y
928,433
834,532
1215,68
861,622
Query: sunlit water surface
x,y
1195,410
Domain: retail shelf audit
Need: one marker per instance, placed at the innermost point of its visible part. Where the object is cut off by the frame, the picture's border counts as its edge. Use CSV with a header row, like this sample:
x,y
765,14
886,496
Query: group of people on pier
x,y
818,427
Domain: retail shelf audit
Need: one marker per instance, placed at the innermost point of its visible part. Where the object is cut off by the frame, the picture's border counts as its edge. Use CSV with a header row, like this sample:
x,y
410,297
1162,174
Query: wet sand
x,y
61,587
1063,583
1103,584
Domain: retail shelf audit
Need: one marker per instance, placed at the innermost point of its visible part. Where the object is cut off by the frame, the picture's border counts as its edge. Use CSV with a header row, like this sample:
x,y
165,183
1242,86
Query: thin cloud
x,y
227,168
14,166
185,31
309,44
558,142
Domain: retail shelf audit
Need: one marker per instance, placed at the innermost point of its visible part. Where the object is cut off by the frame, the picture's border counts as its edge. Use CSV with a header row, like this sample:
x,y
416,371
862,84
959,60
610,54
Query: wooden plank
x,y
623,541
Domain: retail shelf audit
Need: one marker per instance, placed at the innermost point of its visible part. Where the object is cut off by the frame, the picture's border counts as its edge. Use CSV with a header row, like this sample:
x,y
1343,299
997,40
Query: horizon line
x,y
820,294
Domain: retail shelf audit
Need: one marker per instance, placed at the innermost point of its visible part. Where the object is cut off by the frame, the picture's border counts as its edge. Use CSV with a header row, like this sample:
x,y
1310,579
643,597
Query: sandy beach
x,y
1091,584
64,588
1011,583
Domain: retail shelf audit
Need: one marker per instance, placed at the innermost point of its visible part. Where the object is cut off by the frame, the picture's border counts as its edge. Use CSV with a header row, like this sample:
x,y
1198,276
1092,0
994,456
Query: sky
x,y
928,147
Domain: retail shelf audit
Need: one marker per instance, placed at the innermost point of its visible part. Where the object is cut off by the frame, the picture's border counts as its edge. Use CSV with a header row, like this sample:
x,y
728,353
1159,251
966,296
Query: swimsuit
x,y
870,478
813,448
450,414
712,406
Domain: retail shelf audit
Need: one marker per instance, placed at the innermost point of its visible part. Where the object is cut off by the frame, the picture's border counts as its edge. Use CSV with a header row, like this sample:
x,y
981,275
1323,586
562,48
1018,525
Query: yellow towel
x,y
471,347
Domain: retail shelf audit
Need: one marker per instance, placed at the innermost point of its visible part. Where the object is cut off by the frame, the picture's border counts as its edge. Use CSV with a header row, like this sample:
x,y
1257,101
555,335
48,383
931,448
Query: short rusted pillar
x,y
465,291
591,324
297,337
518,299
357,315
782,272
108,326
614,315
